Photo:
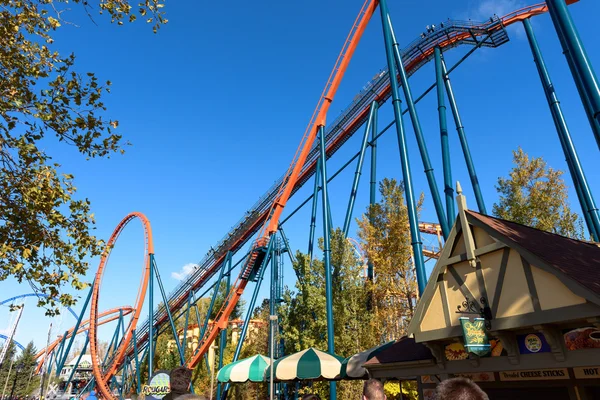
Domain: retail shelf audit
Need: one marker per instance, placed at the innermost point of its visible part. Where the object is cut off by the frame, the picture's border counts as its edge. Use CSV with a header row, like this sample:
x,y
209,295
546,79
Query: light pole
x,y
273,319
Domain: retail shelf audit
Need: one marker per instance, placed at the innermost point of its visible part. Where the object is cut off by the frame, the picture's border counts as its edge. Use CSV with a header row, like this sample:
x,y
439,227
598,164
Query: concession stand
x,y
513,308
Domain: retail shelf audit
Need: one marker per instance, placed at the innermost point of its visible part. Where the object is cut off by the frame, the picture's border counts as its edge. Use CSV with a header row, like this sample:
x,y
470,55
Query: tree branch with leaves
x,y
45,230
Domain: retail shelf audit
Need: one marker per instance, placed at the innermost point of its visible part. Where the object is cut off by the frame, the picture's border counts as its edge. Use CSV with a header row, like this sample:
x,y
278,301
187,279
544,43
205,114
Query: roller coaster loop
x,y
102,377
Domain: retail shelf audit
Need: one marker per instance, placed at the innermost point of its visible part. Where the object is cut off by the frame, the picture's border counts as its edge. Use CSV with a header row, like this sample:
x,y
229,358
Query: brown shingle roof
x,y
403,350
578,260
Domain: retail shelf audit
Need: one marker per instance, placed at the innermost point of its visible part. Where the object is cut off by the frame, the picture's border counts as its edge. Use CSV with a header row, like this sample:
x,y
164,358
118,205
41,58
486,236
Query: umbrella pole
x,y
273,319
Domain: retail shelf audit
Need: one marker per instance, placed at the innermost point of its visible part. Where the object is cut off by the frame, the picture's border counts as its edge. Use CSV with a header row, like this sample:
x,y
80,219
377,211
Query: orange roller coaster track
x,y
102,377
103,318
264,217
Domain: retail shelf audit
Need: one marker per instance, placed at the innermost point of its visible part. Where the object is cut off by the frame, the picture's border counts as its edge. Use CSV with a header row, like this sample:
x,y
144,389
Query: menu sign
x,y
535,375
587,372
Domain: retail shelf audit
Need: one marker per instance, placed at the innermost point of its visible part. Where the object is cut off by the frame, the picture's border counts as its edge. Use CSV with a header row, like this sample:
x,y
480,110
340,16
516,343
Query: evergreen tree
x,y
535,195
27,381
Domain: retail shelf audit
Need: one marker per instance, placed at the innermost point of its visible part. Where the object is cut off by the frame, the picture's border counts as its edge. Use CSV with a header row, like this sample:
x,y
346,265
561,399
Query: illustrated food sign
x,y
476,340
159,387
456,351
532,343
582,338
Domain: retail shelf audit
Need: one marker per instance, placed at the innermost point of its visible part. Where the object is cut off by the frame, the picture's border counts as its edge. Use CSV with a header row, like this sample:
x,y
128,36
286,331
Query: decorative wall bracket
x,y
481,309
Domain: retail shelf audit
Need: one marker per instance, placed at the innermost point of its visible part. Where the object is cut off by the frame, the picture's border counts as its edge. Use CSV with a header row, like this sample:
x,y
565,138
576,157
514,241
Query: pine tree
x,y
27,381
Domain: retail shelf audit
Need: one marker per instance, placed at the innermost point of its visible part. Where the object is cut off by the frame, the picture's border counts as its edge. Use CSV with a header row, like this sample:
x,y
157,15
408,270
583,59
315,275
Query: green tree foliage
x,y
303,314
45,230
385,237
535,195
22,372
5,366
401,390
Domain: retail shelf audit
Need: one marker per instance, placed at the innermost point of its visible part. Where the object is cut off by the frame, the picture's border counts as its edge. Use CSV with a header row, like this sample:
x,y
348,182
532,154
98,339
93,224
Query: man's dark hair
x,y
460,389
180,379
373,390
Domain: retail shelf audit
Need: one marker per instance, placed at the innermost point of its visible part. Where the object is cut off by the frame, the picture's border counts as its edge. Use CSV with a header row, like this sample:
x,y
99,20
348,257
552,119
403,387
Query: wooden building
x,y
538,295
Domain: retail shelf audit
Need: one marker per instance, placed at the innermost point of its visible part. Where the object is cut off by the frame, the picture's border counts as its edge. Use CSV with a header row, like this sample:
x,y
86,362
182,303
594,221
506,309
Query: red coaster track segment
x,y
102,378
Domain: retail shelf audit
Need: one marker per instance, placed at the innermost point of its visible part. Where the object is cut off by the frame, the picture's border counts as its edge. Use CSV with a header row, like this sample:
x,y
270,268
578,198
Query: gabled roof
x,y
577,259
527,277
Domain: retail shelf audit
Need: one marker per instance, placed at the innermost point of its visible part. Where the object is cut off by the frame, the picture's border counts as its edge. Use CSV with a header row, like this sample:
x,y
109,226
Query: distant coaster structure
x,y
262,227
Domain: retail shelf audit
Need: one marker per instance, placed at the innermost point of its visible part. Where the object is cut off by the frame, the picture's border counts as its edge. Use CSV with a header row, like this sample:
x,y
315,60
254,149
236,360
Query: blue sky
x,y
215,105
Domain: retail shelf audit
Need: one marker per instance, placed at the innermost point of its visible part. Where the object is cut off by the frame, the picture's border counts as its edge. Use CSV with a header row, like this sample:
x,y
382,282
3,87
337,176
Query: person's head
x,y
311,397
180,378
373,390
459,389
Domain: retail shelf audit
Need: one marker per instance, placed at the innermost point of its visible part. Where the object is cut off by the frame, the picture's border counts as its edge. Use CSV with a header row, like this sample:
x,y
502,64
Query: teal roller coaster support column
x,y
138,374
373,183
223,339
584,193
215,294
259,280
123,378
462,136
313,215
272,299
75,329
286,243
114,341
83,350
595,124
151,320
417,245
59,352
580,64
448,189
168,310
327,256
412,111
359,165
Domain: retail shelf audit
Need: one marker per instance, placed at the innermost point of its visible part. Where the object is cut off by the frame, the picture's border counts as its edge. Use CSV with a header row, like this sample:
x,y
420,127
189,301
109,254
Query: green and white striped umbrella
x,y
249,369
309,364
352,367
